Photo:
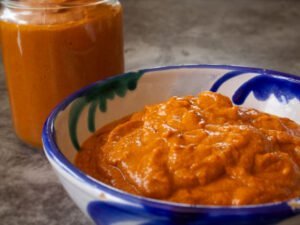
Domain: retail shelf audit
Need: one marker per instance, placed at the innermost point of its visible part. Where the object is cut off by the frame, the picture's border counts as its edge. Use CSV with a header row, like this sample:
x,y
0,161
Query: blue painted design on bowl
x,y
263,86
215,87
111,213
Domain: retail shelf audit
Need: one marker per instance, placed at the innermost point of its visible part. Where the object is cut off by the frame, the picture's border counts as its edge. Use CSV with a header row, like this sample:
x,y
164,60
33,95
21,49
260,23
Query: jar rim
x,y
17,4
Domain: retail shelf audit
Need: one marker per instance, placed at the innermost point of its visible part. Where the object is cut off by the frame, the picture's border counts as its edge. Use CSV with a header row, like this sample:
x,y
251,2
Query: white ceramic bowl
x,y
77,117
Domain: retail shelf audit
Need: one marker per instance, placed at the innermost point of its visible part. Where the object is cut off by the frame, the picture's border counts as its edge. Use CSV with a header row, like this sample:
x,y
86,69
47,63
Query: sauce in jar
x,y
52,48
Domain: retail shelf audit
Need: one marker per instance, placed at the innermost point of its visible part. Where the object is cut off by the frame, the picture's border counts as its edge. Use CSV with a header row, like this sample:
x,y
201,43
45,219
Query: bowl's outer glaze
x,y
75,119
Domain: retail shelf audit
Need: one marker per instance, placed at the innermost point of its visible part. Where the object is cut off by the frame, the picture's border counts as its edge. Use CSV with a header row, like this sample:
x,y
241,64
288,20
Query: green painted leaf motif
x,y
102,104
91,116
75,112
97,98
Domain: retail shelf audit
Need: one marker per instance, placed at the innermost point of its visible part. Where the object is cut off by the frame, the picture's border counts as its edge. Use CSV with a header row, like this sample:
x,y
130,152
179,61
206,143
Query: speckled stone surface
x,y
260,33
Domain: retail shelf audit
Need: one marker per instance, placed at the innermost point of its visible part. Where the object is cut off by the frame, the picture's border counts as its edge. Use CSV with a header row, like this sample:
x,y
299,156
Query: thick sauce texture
x,y
50,53
198,150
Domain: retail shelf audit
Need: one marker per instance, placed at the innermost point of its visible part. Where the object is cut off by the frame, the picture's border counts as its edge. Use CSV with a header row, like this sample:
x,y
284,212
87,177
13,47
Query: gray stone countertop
x,y
259,33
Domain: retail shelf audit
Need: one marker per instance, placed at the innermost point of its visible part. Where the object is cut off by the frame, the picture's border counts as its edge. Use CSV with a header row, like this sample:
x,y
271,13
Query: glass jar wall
x,y
52,48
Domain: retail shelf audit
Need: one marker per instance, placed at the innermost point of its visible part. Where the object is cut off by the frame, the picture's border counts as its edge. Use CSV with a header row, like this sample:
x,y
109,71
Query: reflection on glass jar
x,y
52,48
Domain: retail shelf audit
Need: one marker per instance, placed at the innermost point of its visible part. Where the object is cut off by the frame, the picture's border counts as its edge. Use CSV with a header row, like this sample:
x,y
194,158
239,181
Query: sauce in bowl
x,y
198,150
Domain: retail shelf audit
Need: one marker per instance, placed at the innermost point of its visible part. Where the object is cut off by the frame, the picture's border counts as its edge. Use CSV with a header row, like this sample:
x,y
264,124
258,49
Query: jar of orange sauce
x,y
52,48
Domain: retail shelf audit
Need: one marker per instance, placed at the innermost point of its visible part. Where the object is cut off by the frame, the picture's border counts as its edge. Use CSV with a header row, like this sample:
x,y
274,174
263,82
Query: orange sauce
x,y
49,54
198,150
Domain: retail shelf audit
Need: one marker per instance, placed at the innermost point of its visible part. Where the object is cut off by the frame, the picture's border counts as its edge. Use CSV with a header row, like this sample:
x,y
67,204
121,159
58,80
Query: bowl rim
x,y
53,152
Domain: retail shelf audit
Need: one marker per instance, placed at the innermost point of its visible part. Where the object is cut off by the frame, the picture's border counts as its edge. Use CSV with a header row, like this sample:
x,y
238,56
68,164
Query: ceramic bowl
x,y
81,114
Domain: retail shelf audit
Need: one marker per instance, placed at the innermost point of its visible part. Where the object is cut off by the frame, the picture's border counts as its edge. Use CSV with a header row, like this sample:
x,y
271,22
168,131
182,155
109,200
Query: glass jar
x,y
52,48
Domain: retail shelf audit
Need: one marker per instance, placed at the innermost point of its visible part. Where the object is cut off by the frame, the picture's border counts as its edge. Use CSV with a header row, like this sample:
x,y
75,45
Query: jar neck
x,y
53,4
